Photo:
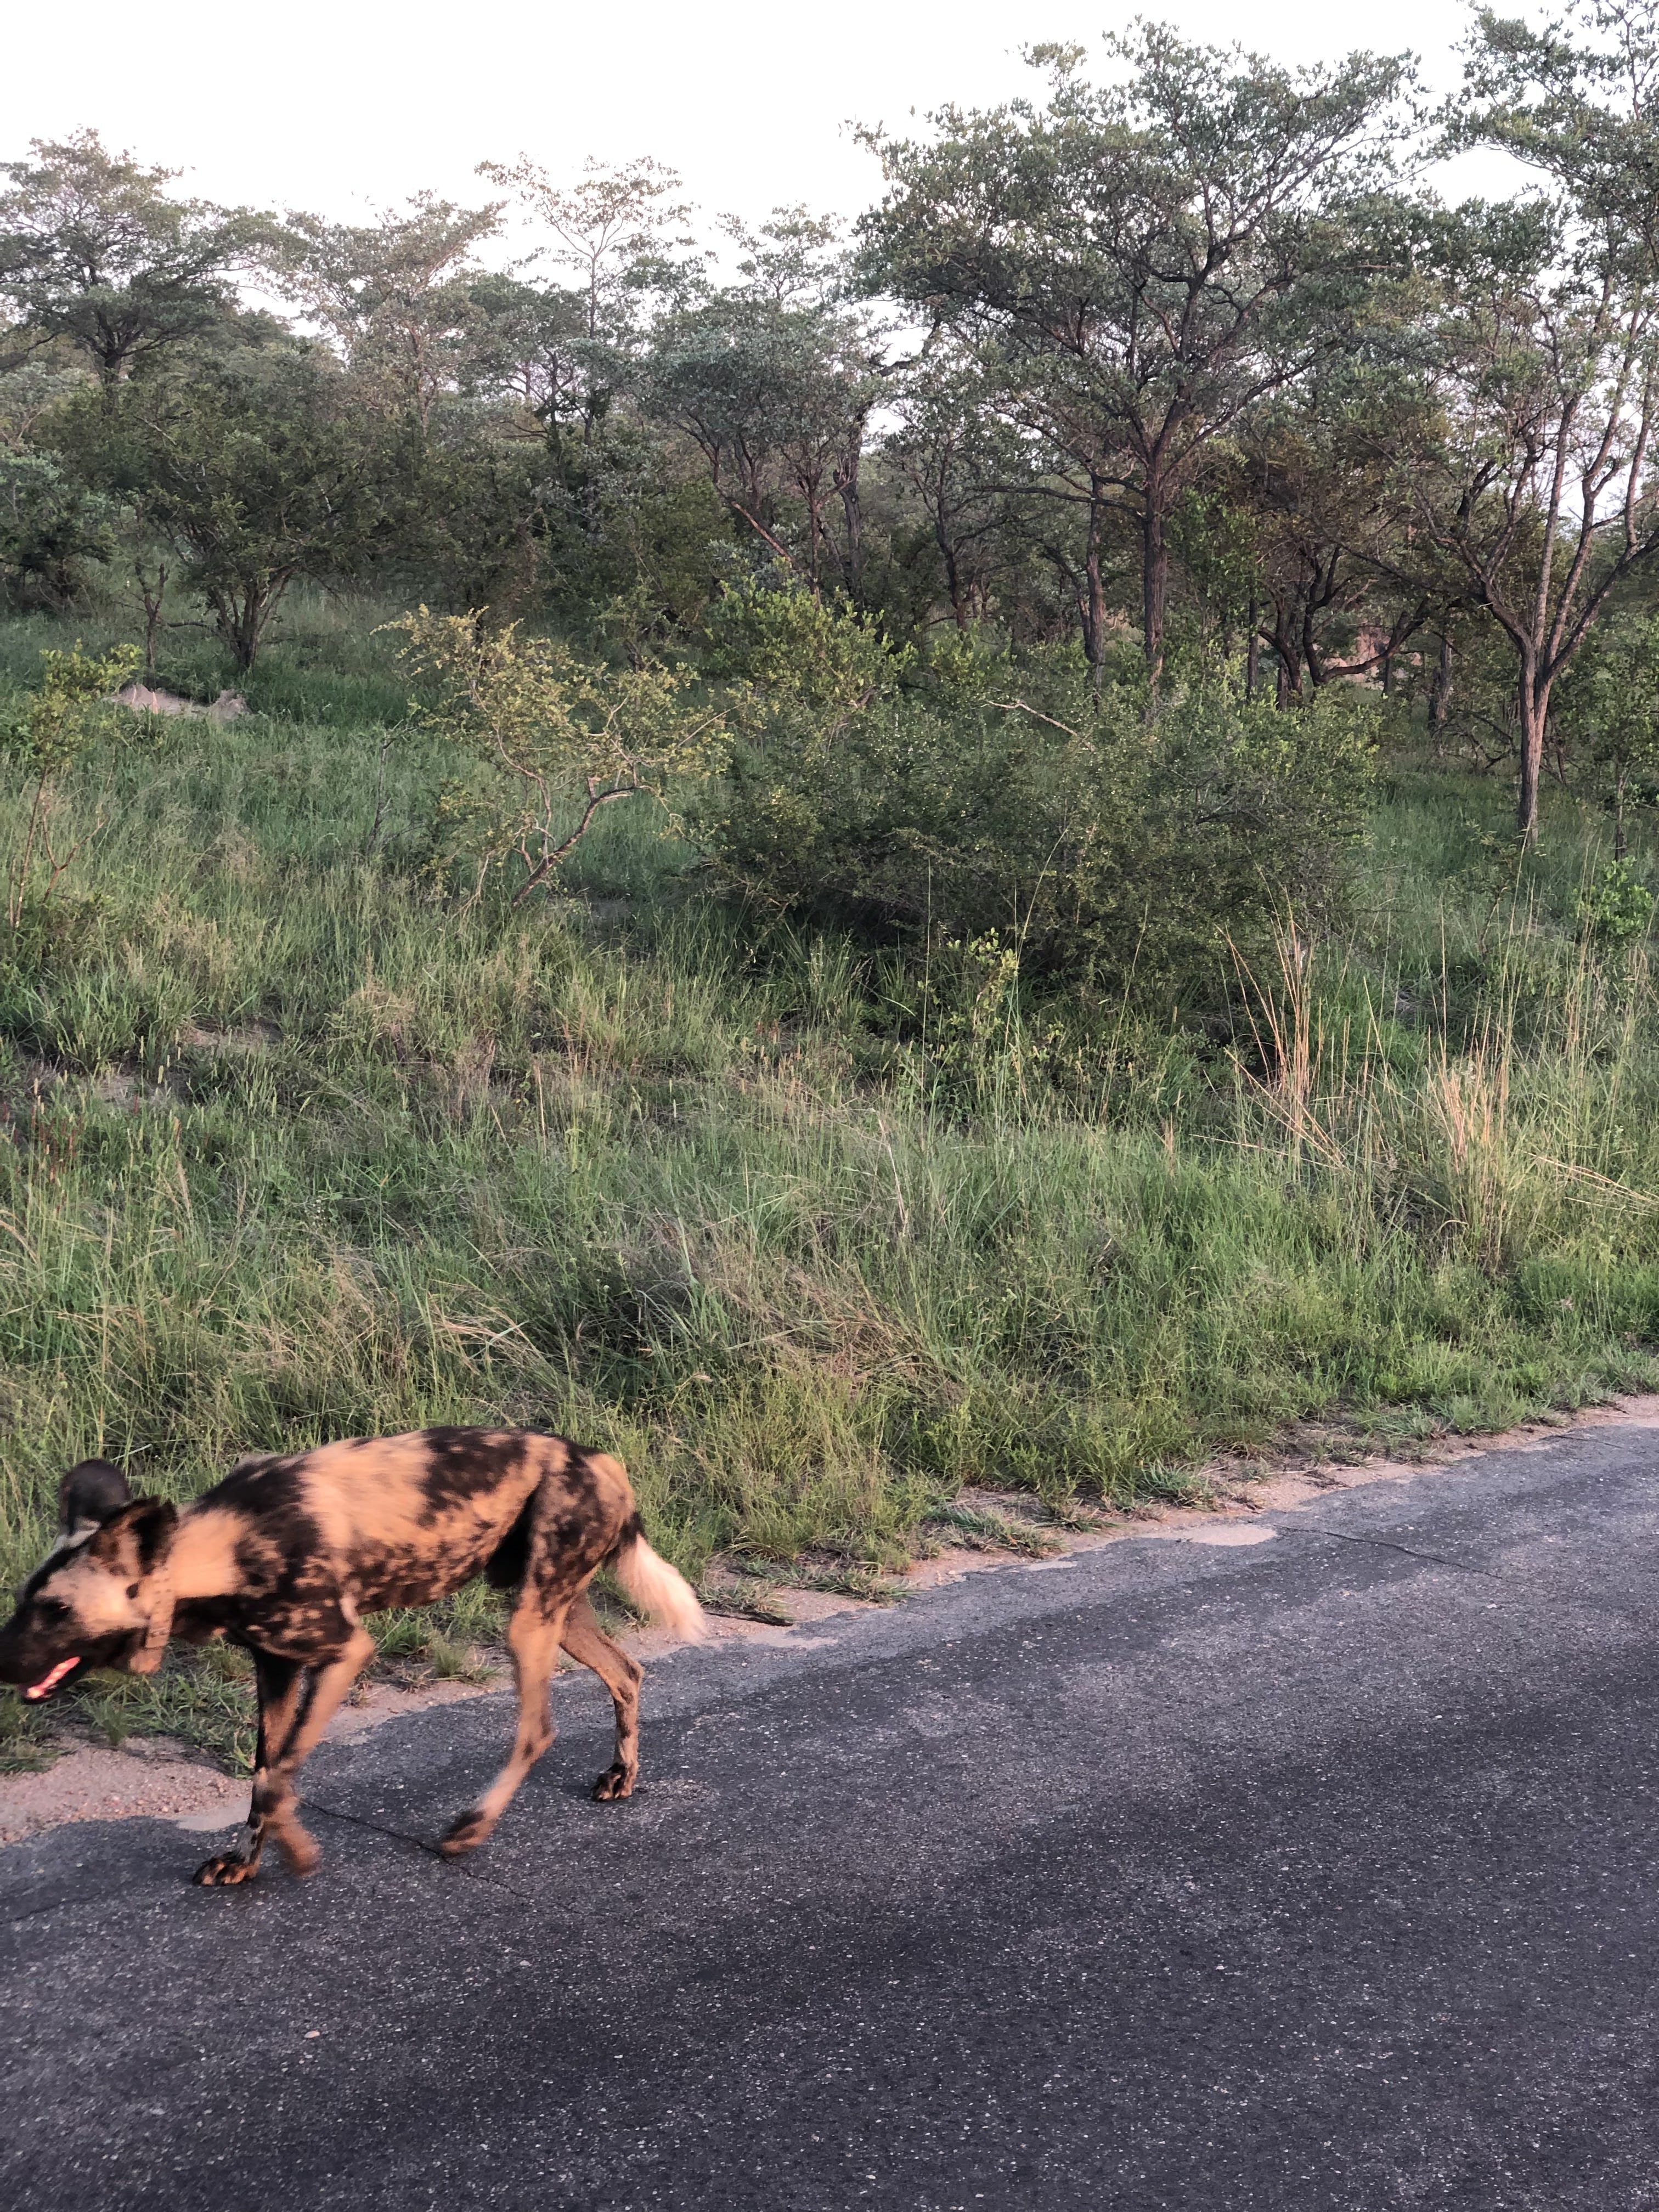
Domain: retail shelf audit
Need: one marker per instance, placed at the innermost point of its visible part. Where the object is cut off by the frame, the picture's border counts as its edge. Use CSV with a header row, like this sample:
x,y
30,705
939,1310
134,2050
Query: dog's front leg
x,y
327,1686
281,1686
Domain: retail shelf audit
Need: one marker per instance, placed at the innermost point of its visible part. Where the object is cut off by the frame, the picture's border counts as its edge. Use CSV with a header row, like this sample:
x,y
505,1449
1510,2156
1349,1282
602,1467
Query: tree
x,y
1541,342
256,467
620,232
1611,706
1326,515
94,249
960,465
774,379
396,296
527,351
50,526
1139,263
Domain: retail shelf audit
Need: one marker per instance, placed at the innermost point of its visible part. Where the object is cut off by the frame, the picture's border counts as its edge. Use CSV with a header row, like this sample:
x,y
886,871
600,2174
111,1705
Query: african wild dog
x,y
286,1555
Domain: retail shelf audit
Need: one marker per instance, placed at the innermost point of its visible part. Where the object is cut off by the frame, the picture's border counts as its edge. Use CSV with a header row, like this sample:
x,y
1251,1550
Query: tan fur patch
x,y
204,1554
367,1490
96,1595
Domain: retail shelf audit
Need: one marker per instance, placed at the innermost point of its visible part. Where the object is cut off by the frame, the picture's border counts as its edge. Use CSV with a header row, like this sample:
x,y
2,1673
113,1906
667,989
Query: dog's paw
x,y
616,1782
465,1834
221,1872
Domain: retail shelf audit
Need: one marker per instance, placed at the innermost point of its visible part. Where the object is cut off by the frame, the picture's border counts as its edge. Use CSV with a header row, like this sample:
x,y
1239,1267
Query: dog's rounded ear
x,y
90,1494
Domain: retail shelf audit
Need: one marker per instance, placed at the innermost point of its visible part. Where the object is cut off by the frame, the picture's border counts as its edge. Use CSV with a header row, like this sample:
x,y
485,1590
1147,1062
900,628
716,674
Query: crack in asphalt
x,y
1388,1543
374,1828
1642,1617
321,1811
430,1851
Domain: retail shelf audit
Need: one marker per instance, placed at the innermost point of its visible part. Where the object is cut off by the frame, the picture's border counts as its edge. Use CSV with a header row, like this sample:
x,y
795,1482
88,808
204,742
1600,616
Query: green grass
x,y
293,1147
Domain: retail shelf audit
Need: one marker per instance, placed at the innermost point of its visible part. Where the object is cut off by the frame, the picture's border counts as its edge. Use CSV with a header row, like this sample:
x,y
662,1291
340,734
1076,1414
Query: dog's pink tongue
x,y
47,1683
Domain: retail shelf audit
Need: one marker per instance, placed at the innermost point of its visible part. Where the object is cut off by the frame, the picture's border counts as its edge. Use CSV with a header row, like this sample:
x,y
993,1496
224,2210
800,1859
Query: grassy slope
x,y
290,1149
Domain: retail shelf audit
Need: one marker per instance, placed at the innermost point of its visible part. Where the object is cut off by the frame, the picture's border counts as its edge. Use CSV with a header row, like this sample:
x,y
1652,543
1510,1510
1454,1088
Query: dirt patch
x,y
154,1781
389,1701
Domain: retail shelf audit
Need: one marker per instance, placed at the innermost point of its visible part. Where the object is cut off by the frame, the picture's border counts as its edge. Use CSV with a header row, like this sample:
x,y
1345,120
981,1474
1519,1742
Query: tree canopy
x,y
1178,365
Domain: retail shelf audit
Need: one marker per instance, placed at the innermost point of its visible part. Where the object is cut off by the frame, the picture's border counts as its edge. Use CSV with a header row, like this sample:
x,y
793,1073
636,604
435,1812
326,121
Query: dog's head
x,y
102,1597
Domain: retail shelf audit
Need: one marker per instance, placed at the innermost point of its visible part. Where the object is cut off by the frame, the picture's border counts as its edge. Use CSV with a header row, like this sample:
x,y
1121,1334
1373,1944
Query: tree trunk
x,y
1094,606
154,598
1534,706
853,511
1440,691
242,615
1154,581
1287,652
1309,650
1252,654
953,580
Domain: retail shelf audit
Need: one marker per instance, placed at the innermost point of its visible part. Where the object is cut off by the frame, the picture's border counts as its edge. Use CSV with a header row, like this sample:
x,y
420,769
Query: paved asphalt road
x,y
1318,1873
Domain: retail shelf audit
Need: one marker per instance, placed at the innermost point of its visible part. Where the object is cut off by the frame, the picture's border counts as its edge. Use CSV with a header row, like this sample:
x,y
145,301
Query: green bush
x,y
50,529
1616,908
1105,844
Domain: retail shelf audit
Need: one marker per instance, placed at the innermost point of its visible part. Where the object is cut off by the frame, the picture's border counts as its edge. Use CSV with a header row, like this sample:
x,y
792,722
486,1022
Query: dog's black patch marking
x,y
264,1489
280,1550
262,1564
504,1569
579,1479
411,1574
200,1619
576,1525
464,1463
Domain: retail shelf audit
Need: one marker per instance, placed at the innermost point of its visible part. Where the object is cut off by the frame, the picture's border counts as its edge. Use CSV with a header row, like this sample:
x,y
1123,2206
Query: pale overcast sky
x,y
333,104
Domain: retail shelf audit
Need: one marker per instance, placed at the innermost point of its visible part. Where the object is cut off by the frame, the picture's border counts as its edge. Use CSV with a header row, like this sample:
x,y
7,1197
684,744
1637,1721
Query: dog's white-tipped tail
x,y
658,1589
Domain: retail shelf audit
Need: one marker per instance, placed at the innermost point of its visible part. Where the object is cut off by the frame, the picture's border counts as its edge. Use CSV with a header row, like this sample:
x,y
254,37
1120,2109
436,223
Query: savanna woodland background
x,y
1011,845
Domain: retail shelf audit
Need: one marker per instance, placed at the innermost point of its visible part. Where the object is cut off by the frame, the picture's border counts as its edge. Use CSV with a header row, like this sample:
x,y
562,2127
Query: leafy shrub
x,y
51,528
1616,908
1103,844
558,739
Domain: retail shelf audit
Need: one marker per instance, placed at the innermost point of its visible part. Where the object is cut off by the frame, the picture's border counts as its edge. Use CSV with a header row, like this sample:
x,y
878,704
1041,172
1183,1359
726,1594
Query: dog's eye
x,y
53,1607
132,1590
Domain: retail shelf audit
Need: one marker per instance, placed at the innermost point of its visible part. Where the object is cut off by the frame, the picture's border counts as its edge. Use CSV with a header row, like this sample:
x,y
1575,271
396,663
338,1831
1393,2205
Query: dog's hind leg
x,y
281,1685
533,1635
587,1643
